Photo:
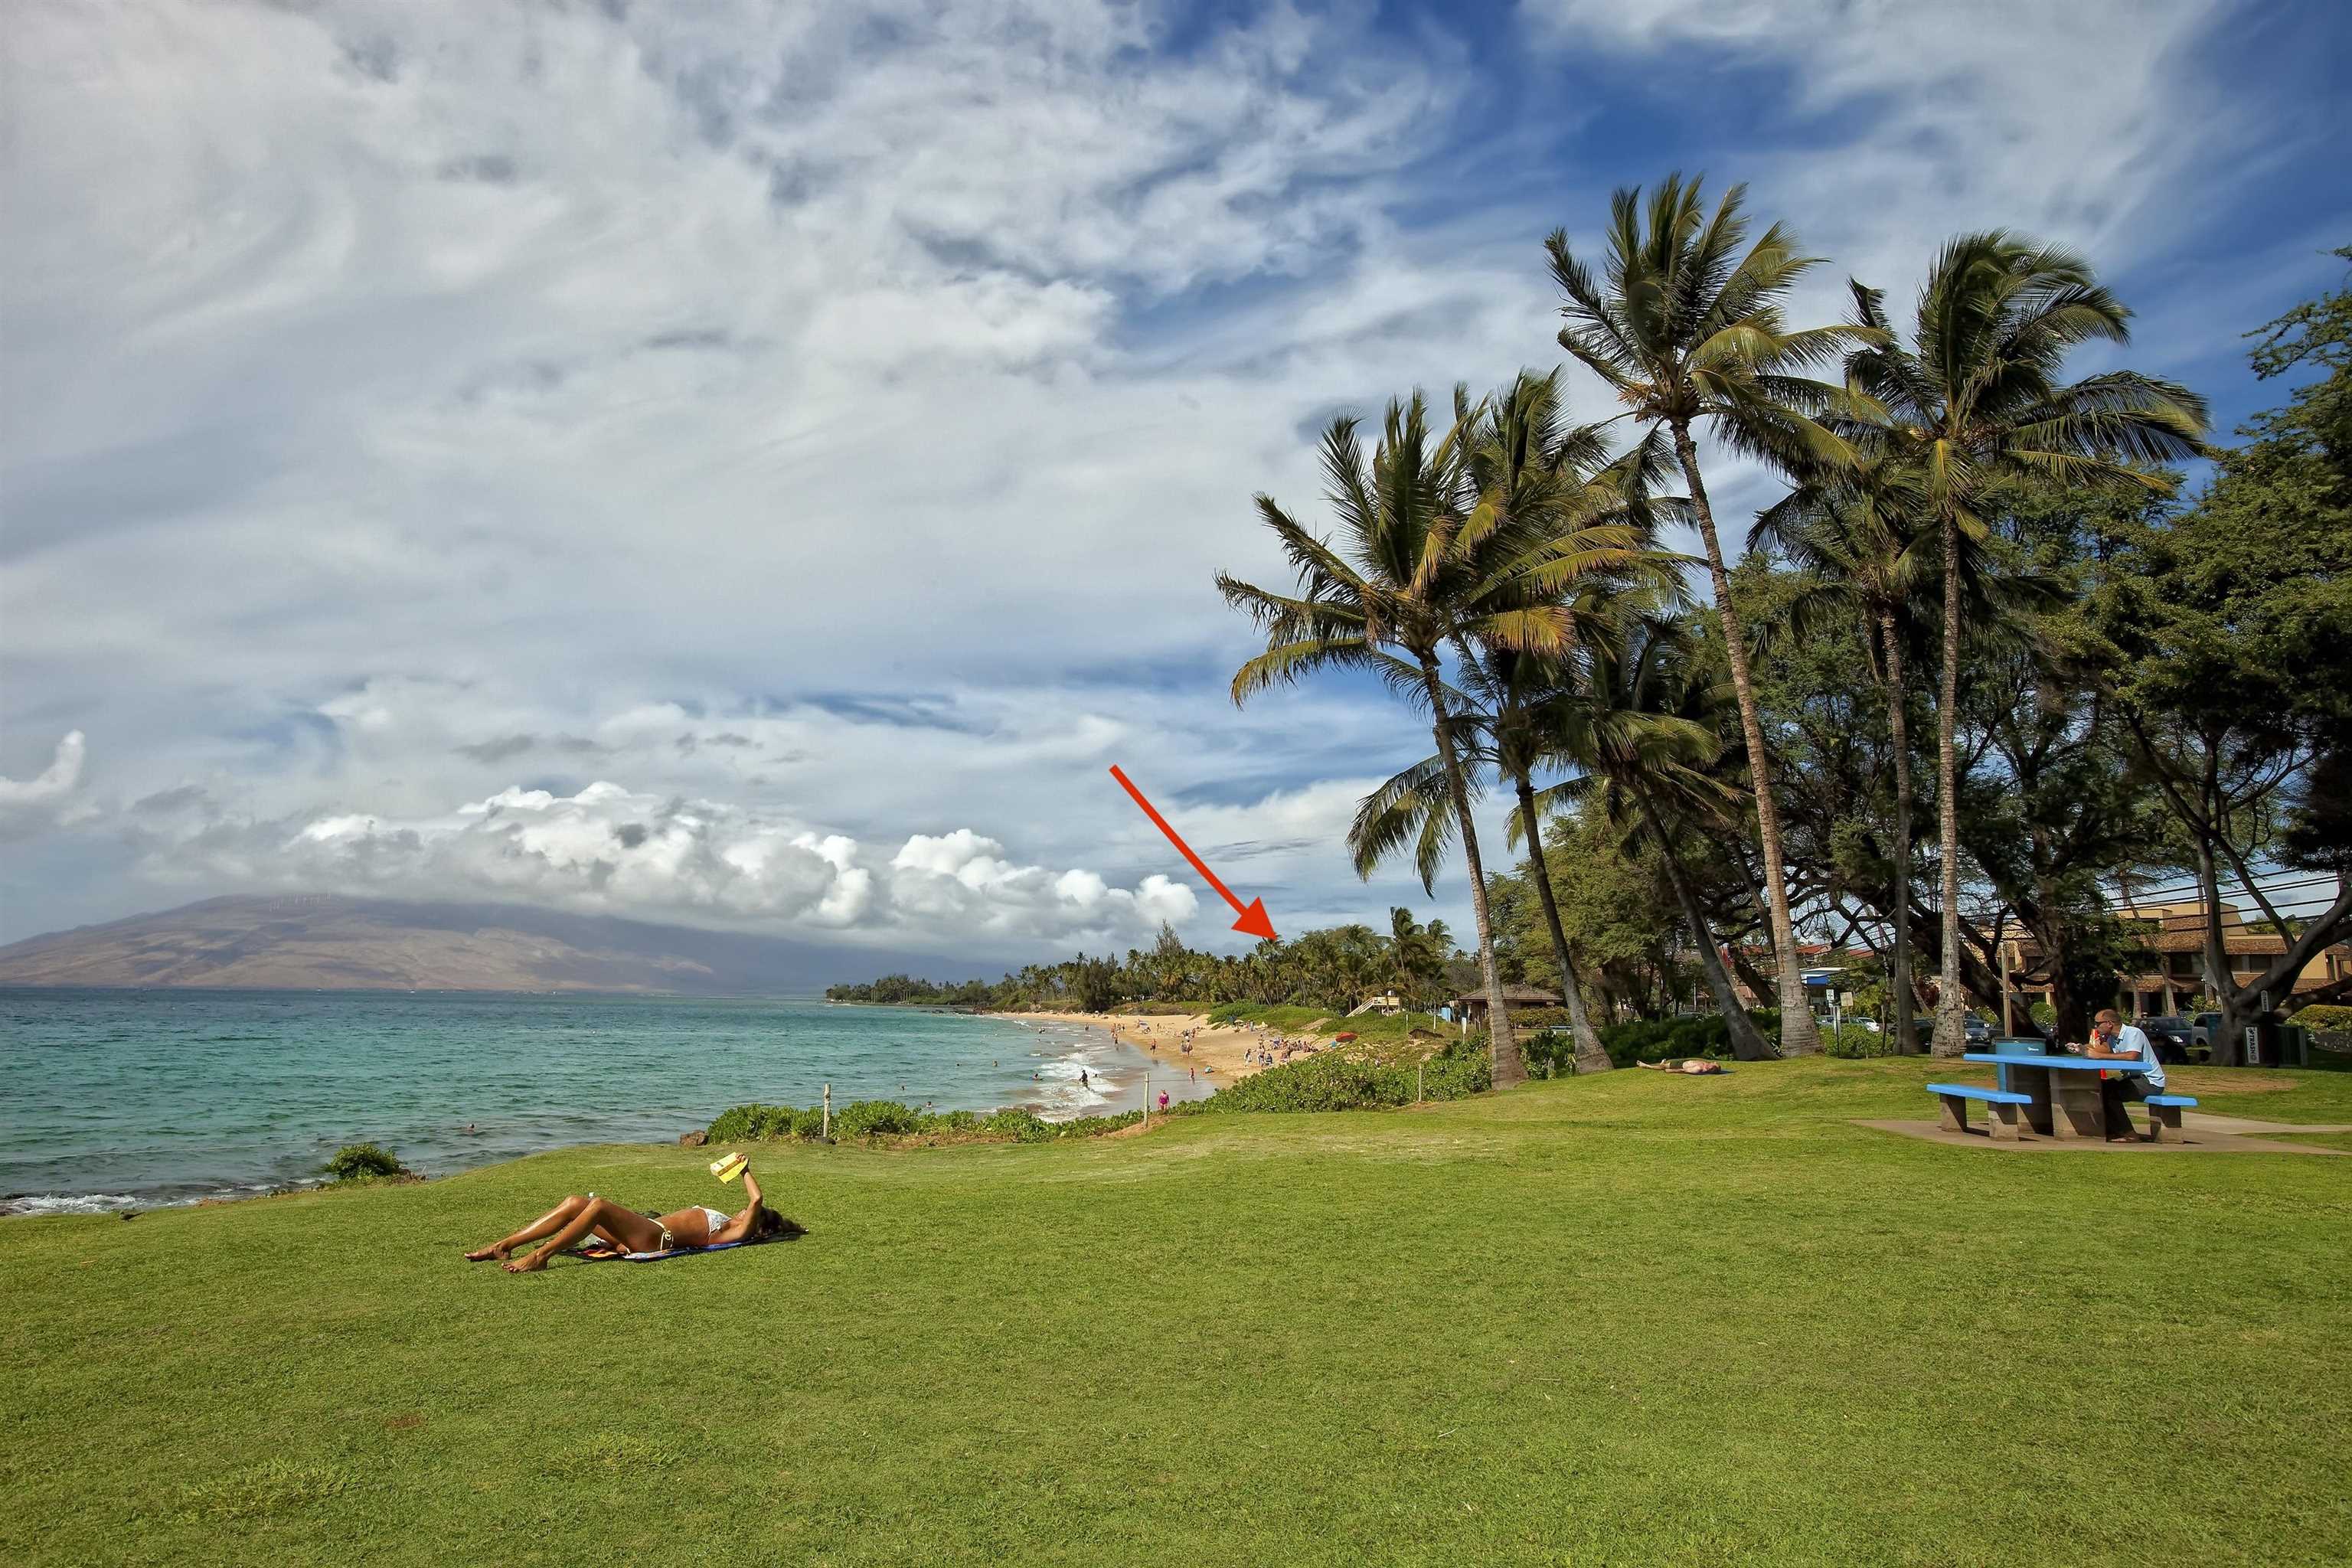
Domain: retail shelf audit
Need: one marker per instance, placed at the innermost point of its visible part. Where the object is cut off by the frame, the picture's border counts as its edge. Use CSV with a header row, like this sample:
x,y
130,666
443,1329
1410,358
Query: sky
x,y
758,466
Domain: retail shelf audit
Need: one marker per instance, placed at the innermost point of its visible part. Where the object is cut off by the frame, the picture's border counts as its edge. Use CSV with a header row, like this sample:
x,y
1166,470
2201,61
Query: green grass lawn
x,y
1624,1320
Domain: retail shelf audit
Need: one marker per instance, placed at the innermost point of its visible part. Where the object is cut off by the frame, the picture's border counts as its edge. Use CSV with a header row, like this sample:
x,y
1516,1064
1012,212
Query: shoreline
x,y
1120,1072
1117,1073
1224,1053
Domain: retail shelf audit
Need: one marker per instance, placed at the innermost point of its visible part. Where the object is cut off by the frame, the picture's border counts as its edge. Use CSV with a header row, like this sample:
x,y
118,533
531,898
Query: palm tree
x,y
1425,563
1858,535
1414,955
1643,739
1526,467
1508,721
1976,399
1689,329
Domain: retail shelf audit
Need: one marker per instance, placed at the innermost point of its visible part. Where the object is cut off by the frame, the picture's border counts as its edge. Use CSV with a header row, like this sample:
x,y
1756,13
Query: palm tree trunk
x,y
1509,1068
1748,1042
1906,1039
1951,1007
1592,1056
1798,1036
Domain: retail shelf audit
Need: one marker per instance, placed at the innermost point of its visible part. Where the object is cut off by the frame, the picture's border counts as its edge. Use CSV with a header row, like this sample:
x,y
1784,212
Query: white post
x,y
2007,1025
1147,1101
827,1123
1416,1082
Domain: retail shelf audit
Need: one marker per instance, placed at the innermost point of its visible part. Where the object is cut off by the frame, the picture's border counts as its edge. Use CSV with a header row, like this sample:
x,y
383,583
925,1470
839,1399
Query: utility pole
x,y
2007,1029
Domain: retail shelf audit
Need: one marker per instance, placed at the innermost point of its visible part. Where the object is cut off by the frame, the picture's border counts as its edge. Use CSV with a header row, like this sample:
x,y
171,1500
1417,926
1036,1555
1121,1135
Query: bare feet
x,y
528,1265
487,1253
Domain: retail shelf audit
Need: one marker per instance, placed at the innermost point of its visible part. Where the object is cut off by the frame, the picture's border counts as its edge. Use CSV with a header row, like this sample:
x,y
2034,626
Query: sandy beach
x,y
1221,1055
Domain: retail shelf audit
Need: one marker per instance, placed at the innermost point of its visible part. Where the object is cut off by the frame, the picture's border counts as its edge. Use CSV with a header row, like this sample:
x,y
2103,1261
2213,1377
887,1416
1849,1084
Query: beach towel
x,y
613,1255
601,1253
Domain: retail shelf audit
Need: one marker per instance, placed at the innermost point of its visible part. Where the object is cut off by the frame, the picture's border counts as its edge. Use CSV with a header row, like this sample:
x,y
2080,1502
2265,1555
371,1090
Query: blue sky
x,y
758,466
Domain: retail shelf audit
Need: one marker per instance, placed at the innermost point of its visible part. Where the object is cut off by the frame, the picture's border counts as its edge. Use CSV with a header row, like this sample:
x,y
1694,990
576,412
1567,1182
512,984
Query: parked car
x,y
1978,1031
2171,1035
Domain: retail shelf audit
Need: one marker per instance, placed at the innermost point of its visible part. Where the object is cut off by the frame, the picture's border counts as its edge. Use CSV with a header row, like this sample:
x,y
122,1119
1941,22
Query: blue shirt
x,y
2131,1038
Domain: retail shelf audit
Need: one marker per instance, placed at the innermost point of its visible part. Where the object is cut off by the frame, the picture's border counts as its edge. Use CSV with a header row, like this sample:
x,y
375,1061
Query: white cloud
x,y
826,419
610,850
47,795
2075,121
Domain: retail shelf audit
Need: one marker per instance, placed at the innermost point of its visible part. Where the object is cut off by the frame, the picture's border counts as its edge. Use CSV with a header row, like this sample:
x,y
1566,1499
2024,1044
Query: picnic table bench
x,y
2001,1103
2061,1095
2164,1114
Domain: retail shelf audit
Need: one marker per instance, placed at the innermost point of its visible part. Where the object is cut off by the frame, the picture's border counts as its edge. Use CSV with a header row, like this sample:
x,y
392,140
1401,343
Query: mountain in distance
x,y
307,942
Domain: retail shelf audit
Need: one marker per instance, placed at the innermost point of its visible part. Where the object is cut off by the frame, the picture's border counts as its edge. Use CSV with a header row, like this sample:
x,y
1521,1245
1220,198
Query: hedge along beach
x,y
120,1099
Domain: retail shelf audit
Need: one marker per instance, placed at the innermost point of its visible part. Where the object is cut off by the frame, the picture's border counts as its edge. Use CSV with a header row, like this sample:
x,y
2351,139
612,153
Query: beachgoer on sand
x,y
633,1231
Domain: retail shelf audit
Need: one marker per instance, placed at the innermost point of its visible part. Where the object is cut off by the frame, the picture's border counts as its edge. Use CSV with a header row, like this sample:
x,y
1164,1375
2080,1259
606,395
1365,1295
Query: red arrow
x,y
1253,918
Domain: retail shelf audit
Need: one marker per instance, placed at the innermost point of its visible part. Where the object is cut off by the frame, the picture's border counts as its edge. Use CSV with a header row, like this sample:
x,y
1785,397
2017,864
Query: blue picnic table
x,y
2063,1091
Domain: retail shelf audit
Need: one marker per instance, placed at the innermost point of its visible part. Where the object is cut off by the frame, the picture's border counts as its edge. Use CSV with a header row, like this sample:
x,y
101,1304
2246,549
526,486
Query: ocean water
x,y
120,1099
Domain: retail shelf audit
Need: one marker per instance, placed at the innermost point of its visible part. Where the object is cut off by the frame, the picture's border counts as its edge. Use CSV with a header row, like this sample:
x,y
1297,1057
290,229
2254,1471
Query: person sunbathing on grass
x,y
1698,1066
576,1217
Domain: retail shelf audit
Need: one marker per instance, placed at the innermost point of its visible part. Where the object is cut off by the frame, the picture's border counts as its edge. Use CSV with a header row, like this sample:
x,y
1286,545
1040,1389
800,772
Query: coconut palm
x,y
1508,718
1415,955
1527,466
1688,330
1869,551
1643,739
1978,399
1860,536
1423,564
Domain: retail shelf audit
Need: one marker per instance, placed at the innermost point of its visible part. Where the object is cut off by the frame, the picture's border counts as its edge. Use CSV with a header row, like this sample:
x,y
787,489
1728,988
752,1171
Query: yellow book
x,y
727,1167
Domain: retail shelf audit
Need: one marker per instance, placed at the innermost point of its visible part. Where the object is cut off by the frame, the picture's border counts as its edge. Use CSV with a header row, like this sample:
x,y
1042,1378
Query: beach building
x,y
2171,979
1471,1008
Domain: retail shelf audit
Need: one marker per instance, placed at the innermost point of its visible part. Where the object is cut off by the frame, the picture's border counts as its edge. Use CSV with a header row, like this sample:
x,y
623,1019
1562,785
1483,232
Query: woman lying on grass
x,y
631,1231
1698,1066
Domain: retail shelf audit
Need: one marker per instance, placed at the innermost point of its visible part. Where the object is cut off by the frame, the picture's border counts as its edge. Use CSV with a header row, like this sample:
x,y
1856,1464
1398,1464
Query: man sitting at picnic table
x,y
2112,1039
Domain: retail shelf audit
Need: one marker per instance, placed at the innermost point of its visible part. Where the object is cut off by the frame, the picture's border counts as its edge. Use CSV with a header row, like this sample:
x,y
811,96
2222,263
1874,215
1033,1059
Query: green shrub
x,y
1851,1042
1705,1036
363,1163
2330,1035
1328,1082
866,1118
1020,1124
1374,1026
1549,1053
1088,1126
752,1123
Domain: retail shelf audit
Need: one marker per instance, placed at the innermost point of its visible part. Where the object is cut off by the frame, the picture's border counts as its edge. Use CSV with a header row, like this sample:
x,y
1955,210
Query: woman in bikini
x,y
631,1231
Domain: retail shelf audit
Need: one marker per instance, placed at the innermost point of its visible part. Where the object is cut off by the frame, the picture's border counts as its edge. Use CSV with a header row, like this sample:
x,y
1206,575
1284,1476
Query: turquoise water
x,y
113,1099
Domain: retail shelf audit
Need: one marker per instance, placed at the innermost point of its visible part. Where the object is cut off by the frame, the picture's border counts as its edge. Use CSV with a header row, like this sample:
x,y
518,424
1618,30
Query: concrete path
x,y
2200,1135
